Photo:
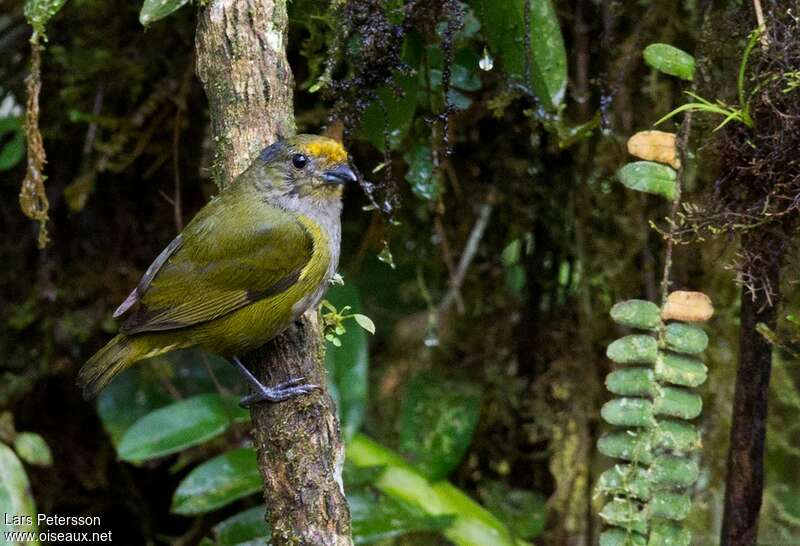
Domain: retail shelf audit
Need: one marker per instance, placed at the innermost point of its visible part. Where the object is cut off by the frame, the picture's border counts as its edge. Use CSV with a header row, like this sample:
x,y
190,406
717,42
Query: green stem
x,y
473,525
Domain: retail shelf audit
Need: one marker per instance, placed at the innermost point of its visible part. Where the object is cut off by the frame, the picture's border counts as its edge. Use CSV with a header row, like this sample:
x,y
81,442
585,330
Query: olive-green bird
x,y
253,260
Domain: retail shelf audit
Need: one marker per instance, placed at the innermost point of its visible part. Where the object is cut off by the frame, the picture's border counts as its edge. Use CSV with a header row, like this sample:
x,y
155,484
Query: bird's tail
x,y
117,355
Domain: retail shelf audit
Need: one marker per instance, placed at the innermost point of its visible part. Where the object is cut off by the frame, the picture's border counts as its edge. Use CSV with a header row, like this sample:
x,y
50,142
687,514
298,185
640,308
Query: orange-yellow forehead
x,y
326,149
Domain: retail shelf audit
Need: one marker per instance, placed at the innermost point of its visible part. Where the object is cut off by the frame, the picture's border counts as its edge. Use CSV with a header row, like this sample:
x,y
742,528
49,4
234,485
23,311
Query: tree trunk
x,y
745,481
241,60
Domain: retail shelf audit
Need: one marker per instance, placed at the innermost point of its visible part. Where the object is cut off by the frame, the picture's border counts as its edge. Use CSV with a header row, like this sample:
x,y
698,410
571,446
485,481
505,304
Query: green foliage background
x,y
482,385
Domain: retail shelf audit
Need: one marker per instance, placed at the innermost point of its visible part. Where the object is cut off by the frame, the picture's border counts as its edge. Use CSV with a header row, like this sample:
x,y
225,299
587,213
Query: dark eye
x,y
299,161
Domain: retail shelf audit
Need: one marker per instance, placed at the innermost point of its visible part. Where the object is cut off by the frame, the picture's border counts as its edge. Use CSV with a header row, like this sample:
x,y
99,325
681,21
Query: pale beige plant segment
x,y
655,146
687,306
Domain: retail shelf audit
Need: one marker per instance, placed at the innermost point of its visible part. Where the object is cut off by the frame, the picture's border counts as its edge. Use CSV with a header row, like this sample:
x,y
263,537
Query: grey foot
x,y
262,393
279,393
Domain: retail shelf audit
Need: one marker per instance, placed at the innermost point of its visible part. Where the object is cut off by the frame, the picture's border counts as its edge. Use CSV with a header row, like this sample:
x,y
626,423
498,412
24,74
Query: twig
x,y
681,144
470,249
761,24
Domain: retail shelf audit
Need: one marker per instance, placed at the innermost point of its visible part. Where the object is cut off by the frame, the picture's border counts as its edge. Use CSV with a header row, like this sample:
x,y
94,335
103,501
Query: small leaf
x,y
626,445
365,322
15,493
348,365
669,534
687,306
641,314
178,426
633,349
685,338
218,482
674,506
620,537
12,151
625,513
649,177
437,421
655,146
33,449
153,10
628,412
242,528
39,12
378,517
670,60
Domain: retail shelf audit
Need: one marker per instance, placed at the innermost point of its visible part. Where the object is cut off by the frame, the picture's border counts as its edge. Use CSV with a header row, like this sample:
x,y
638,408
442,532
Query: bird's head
x,y
308,166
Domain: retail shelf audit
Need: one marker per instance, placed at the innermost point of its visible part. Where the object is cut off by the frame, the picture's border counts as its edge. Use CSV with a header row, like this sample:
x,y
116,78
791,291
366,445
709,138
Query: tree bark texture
x,y
241,61
745,482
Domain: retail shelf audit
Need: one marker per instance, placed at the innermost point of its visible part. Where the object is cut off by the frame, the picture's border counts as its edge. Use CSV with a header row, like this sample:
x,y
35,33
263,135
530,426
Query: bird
x,y
250,263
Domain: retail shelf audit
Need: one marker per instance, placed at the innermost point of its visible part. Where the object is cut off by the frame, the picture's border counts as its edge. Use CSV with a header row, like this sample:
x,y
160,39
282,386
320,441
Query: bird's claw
x,y
283,391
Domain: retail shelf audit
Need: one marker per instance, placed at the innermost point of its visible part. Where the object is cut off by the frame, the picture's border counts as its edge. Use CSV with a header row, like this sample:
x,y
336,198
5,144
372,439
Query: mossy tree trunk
x,y
241,61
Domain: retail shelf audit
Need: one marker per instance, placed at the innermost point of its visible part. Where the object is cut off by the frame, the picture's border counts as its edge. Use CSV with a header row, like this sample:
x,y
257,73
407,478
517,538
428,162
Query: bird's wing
x,y
228,257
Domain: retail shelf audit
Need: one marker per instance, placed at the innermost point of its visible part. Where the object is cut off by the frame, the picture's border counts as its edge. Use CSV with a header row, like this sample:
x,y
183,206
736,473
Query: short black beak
x,y
342,174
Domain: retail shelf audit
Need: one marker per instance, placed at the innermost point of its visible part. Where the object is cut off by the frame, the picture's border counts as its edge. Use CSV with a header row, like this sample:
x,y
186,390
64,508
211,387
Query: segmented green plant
x,y
649,493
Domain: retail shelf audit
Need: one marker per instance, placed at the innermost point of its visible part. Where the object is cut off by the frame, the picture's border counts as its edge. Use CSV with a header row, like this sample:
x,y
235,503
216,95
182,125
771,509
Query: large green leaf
x,y
33,449
244,528
180,425
503,25
472,525
15,494
378,517
523,511
12,142
437,421
670,60
153,10
348,365
650,177
399,111
217,482
136,392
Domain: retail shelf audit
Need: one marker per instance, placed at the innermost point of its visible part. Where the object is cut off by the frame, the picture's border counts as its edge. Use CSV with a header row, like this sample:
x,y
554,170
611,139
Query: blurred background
x,y
493,131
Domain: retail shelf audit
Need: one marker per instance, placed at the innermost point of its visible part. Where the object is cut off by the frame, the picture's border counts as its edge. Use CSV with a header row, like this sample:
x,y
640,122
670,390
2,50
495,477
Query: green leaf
x,y
628,412
437,422
15,493
641,314
473,524
243,528
425,179
523,511
670,60
153,10
39,12
633,349
13,150
649,177
503,26
399,111
218,482
33,449
348,364
178,426
365,322
143,388
378,517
